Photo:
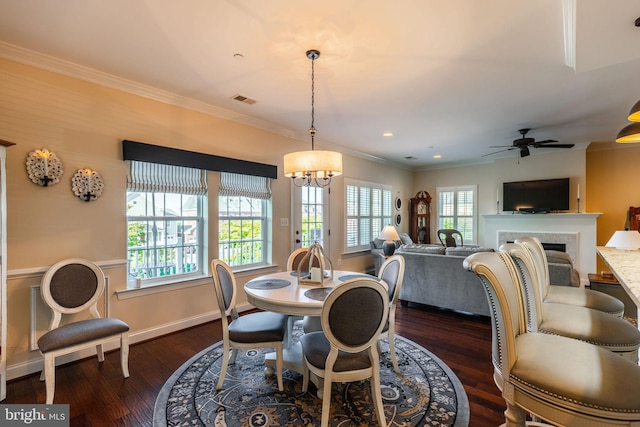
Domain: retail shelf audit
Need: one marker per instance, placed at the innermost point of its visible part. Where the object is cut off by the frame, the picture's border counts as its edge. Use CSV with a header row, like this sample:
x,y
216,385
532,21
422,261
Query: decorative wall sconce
x,y
44,167
87,184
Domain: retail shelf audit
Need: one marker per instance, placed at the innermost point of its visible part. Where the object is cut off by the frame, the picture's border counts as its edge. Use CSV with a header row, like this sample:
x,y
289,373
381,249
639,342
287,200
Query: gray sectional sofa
x,y
434,276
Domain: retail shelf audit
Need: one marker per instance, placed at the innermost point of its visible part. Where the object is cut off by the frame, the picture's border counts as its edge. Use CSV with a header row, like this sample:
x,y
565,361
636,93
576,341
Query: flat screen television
x,y
540,196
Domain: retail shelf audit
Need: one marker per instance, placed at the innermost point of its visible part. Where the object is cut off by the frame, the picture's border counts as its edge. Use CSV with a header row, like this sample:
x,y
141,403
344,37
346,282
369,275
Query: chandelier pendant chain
x,y
313,55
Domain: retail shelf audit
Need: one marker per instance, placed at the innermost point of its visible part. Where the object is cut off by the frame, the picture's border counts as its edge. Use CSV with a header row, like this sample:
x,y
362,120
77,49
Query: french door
x,y
311,217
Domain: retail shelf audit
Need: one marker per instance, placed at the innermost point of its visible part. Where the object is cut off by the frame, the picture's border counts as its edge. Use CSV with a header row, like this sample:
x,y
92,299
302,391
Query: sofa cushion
x,y
405,239
423,248
558,256
466,251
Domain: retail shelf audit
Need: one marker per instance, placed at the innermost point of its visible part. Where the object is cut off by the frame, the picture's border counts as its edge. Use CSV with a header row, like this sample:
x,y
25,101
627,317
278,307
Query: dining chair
x,y
392,272
563,381
70,287
450,237
353,316
309,323
255,330
566,294
581,323
295,257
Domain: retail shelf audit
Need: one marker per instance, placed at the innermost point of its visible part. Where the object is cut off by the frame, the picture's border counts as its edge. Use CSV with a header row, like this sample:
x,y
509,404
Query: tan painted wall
x,y
84,124
612,186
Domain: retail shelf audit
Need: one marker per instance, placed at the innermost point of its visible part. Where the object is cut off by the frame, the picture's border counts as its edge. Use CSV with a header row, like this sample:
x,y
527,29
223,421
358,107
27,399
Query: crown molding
x,y
569,26
70,69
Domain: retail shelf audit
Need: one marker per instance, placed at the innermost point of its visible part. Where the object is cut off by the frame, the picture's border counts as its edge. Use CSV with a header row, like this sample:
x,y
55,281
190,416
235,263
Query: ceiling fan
x,y
524,143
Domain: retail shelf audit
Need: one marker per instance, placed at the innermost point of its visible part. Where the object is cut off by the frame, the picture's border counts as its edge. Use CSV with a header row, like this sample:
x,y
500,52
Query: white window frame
x,y
264,239
364,222
192,253
456,216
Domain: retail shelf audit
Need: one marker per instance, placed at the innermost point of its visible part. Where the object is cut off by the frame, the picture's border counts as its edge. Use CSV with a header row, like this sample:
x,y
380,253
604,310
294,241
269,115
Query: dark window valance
x,y
132,150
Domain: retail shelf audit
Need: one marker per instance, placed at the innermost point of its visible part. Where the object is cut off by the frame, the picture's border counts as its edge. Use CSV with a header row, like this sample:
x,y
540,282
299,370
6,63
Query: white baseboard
x,y
32,366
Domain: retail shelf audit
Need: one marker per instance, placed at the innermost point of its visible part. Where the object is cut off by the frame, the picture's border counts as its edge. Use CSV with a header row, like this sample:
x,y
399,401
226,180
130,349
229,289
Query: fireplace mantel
x,y
578,226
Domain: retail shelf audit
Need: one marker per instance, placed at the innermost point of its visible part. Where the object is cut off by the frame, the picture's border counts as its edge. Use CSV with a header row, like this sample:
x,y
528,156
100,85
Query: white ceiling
x,y
446,77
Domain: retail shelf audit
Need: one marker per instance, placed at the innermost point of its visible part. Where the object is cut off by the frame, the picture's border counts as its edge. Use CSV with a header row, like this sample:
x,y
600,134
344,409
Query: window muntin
x,y
312,216
368,208
164,235
457,209
242,231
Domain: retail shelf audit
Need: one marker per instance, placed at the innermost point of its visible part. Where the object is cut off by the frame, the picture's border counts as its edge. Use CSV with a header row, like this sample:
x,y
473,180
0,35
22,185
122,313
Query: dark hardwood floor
x,y
98,395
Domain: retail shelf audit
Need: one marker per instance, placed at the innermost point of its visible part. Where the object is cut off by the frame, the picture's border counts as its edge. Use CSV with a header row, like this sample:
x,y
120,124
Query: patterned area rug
x,y
426,394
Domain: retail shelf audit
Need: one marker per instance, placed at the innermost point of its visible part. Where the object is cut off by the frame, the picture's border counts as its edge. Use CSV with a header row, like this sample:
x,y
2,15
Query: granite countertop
x,y
625,265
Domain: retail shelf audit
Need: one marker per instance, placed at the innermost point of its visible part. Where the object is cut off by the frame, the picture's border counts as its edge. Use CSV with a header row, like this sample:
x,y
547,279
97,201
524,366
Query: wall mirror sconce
x,y
87,184
44,167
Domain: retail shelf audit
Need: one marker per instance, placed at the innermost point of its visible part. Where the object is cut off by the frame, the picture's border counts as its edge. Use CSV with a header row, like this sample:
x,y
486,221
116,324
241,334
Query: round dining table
x,y
281,293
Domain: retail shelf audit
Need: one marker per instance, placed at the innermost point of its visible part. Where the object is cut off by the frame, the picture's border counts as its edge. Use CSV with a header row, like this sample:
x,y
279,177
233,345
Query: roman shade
x,y
256,187
159,178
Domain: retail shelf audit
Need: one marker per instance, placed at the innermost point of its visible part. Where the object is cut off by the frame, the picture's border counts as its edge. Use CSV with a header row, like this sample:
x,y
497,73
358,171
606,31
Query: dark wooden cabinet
x,y
420,217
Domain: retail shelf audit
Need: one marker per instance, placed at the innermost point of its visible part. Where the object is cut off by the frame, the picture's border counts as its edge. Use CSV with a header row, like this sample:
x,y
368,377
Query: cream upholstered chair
x,y
392,272
565,294
254,330
450,237
563,381
353,316
582,323
73,286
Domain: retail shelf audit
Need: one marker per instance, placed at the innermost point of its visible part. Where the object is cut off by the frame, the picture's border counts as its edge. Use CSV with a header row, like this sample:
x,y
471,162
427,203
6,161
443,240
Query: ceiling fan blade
x,y
556,146
496,152
500,146
546,141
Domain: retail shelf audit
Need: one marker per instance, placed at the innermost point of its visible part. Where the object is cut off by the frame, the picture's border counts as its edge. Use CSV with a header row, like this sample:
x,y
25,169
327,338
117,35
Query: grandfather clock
x,y
420,212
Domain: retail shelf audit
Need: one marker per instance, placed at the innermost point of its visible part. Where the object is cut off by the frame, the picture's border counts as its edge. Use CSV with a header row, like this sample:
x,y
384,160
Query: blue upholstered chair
x,y
71,287
561,380
254,330
353,316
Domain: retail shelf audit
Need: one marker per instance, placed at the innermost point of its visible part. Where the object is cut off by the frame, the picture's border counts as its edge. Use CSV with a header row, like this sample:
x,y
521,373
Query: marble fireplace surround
x,y
576,230
570,240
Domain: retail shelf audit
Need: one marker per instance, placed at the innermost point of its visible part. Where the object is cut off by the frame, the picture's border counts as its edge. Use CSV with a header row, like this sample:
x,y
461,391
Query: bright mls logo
x,y
34,415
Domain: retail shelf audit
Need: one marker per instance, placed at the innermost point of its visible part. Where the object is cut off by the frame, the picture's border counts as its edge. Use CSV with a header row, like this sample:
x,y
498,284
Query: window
x,y
164,222
312,218
457,209
243,219
368,210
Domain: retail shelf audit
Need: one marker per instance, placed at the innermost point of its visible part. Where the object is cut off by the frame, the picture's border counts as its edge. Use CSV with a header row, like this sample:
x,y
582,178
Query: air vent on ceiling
x,y
244,99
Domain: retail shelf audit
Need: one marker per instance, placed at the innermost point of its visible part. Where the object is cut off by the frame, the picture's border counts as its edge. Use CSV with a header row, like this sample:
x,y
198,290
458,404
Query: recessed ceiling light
x,y
238,56
387,134
437,156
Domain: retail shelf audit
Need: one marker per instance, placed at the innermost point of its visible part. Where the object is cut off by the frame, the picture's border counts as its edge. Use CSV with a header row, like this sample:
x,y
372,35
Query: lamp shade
x,y
313,163
389,233
634,114
629,134
624,240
